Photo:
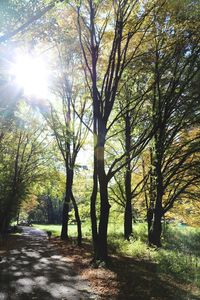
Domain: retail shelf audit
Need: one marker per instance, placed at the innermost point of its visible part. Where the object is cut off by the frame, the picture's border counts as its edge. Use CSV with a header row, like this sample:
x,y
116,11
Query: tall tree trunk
x,y
156,181
152,196
65,219
156,230
94,198
150,215
102,251
78,221
65,213
128,230
93,210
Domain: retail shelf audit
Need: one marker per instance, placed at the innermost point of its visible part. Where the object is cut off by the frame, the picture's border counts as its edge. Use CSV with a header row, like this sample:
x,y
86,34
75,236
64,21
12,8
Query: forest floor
x,y
126,277
31,267
34,268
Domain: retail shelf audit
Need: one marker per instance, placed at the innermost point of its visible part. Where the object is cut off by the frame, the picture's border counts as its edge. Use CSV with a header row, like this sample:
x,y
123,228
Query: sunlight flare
x,y
31,75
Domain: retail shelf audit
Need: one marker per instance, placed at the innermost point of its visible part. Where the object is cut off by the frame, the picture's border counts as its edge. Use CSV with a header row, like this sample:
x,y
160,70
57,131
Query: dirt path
x,y
33,269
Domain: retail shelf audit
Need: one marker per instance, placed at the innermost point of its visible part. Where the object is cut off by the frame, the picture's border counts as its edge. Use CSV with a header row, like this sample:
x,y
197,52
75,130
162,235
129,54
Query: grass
x,y
179,256
56,229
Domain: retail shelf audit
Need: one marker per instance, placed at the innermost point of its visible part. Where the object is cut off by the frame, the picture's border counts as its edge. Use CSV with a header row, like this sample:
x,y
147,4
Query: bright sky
x,y
84,157
31,74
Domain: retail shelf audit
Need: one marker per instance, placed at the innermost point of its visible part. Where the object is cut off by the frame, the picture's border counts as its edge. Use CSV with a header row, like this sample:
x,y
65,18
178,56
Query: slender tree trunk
x,y
94,198
93,210
128,230
69,196
103,222
156,228
149,223
78,221
50,211
65,213
152,197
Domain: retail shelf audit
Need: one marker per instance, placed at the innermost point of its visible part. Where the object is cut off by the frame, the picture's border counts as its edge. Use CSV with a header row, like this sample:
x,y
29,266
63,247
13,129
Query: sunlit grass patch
x,y
56,229
183,239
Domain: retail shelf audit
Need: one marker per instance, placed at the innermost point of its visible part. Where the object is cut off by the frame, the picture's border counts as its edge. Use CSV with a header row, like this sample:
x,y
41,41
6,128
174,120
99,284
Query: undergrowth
x,y
179,255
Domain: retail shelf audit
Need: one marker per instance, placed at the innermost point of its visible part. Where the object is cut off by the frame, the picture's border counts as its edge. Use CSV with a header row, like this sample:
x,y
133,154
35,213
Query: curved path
x,y
33,269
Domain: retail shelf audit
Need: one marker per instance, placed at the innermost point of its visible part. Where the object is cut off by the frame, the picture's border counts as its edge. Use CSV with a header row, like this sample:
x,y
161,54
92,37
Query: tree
x,y
173,65
22,164
104,69
66,123
131,136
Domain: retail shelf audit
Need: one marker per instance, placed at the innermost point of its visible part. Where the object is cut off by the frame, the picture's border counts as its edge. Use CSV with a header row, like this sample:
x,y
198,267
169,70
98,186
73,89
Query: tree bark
x,y
102,251
65,214
128,230
149,223
78,221
157,185
65,219
93,210
156,230
93,197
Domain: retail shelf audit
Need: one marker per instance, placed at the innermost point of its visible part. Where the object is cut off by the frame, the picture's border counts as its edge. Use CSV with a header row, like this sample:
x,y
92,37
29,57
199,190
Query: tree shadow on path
x,y
31,268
